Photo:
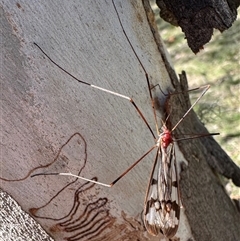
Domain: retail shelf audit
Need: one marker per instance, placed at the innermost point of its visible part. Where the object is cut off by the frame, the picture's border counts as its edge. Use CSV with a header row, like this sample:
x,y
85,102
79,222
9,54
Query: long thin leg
x,y
100,183
204,91
195,136
102,89
176,93
146,74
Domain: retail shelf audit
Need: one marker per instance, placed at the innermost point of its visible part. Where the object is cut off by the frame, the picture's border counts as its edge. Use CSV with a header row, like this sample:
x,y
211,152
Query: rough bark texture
x,y
199,18
17,224
51,123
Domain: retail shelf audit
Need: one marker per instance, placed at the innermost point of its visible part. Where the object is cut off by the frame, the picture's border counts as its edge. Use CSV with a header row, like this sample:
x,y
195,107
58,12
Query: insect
x,y
162,202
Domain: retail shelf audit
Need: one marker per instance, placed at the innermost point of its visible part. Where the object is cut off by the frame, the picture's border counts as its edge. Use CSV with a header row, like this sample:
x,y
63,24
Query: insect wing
x,y
162,209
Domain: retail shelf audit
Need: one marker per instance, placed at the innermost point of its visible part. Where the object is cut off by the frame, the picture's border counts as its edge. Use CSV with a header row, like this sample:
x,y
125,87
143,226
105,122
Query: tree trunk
x,y
52,123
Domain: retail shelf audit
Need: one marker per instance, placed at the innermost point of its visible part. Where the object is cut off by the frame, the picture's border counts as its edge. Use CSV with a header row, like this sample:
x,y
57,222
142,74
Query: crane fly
x,y
162,202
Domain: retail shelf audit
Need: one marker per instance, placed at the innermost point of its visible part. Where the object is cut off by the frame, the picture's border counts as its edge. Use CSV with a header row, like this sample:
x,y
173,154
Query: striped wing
x,y
162,202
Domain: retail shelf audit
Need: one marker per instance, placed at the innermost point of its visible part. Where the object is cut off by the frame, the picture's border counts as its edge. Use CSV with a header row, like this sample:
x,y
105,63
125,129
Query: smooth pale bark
x,y
50,119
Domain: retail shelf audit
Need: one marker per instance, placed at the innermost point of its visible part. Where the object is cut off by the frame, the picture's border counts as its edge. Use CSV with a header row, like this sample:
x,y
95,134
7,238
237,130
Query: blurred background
x,y
218,65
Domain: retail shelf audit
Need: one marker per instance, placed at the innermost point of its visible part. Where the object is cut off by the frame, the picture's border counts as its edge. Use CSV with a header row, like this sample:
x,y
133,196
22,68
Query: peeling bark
x,y
198,19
